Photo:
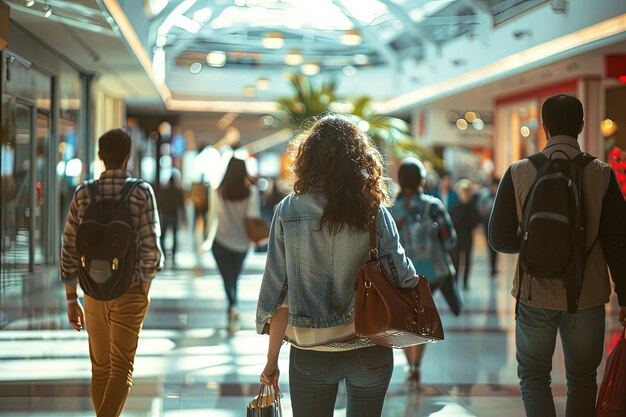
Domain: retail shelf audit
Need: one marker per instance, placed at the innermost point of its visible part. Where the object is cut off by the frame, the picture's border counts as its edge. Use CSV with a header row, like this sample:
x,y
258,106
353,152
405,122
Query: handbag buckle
x,y
373,254
368,284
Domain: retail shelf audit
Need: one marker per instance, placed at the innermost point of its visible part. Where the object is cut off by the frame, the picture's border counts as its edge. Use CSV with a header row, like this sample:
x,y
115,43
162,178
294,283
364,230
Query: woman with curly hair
x,y
318,240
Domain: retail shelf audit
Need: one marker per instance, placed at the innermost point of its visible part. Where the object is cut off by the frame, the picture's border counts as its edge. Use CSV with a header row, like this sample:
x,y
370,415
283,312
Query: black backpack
x,y
106,243
554,227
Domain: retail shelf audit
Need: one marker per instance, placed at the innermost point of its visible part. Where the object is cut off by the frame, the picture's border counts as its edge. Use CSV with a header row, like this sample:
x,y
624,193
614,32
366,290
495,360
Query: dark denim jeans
x,y
582,336
229,264
314,378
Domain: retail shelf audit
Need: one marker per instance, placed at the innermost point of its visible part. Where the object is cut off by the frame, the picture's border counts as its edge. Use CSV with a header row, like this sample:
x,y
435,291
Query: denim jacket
x,y
316,269
416,203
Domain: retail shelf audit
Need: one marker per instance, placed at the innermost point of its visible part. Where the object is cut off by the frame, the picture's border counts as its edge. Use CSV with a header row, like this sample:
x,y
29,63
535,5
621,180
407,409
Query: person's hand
x,y
270,374
622,316
76,314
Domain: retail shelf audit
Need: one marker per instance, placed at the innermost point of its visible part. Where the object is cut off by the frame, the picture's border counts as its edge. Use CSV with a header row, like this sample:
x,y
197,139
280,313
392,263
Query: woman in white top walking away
x,y
237,200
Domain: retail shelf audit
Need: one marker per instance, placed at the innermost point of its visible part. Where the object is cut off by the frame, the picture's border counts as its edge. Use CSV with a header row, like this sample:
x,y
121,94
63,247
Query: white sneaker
x,y
233,321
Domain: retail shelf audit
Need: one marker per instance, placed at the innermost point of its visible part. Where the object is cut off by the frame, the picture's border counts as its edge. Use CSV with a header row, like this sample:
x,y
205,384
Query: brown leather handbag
x,y
257,229
389,315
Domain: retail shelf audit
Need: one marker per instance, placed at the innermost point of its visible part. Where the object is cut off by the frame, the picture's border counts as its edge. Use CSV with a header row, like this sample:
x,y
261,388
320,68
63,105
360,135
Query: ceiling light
x,y
268,120
195,68
461,124
294,57
525,131
351,37
240,3
478,124
361,59
249,91
349,70
397,24
30,3
470,116
48,11
186,23
417,15
161,41
363,125
608,127
310,68
273,40
216,59
262,83
202,15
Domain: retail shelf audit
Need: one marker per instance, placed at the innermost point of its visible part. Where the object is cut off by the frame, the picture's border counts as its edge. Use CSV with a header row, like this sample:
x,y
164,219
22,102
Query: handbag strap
x,y
373,249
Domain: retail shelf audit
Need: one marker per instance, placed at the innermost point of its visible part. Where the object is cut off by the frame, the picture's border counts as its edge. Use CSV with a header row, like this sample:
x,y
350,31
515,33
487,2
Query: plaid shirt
x,y
145,221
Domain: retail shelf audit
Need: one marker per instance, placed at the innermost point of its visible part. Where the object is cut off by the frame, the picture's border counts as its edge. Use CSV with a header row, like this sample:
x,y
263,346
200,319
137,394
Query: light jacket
x,y
318,269
605,209
445,229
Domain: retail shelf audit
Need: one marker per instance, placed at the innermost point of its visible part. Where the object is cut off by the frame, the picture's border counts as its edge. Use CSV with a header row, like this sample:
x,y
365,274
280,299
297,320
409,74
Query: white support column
x,y
590,95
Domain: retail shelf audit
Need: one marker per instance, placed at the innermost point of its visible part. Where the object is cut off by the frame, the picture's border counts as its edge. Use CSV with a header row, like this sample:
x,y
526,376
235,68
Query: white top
x,y
331,339
231,232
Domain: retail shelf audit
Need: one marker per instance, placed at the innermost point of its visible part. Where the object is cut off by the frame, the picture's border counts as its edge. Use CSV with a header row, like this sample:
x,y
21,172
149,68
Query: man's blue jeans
x,y
314,378
582,337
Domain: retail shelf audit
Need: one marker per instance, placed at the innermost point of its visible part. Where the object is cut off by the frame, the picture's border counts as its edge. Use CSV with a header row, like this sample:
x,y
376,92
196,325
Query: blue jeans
x,y
582,337
314,378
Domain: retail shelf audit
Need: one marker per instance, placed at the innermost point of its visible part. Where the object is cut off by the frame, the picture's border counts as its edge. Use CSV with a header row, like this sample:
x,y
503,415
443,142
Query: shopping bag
x,y
612,397
267,403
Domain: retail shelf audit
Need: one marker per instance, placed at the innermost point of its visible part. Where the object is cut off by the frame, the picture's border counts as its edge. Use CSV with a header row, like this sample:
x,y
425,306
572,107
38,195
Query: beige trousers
x,y
113,328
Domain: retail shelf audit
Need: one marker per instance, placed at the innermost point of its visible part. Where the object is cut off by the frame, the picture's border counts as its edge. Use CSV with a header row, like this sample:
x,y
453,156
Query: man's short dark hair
x,y
562,115
411,173
114,147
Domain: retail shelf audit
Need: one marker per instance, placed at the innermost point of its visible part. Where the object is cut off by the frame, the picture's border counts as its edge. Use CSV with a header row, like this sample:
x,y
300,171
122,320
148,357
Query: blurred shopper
x,y
485,205
236,202
201,199
444,191
171,212
416,213
465,218
113,325
319,239
562,304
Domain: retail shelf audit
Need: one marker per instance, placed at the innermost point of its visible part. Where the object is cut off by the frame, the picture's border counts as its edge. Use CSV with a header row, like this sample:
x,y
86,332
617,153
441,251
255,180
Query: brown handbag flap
x,y
381,307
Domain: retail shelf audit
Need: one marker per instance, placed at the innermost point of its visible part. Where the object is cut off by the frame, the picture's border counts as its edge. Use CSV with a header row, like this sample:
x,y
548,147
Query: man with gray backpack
x,y
111,248
562,210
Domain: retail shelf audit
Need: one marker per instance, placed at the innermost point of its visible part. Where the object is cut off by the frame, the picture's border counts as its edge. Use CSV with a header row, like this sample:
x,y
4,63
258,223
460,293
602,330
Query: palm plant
x,y
388,133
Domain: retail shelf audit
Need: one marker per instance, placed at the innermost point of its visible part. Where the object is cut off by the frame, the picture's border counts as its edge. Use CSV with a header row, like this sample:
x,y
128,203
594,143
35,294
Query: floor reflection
x,y
188,366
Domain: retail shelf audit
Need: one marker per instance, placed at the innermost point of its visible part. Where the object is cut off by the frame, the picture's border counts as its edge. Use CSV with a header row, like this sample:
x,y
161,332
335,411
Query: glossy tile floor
x,y
188,366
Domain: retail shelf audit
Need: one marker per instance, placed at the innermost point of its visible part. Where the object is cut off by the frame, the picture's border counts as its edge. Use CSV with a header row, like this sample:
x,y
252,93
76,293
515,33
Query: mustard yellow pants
x,y
113,328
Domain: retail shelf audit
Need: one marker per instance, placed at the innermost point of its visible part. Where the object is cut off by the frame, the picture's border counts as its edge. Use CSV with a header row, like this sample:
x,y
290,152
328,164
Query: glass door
x,y
24,199
18,242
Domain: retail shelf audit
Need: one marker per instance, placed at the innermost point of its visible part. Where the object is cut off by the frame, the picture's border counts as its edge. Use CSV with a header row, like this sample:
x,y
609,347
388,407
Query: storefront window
x,y
70,166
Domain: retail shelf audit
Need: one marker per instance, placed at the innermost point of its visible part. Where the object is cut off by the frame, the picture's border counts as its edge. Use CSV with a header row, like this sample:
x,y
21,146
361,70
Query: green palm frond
x,y
310,100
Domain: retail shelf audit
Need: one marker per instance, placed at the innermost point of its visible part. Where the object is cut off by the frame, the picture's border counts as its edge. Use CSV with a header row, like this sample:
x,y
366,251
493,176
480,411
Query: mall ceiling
x,y
212,54
336,38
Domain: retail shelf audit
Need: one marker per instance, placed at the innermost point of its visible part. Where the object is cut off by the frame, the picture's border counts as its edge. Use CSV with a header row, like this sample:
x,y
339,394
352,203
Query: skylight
x,y
365,11
295,14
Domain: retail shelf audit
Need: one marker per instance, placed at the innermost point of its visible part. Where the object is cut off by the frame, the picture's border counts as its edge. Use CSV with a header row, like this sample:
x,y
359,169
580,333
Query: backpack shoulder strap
x,y
538,160
127,189
93,191
583,159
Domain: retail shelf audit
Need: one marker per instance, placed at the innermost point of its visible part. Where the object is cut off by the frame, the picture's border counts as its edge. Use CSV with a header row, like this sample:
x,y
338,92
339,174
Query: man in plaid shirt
x,y
114,325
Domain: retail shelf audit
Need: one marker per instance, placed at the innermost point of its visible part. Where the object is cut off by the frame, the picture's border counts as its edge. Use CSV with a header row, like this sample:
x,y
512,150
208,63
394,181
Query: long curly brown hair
x,y
336,156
